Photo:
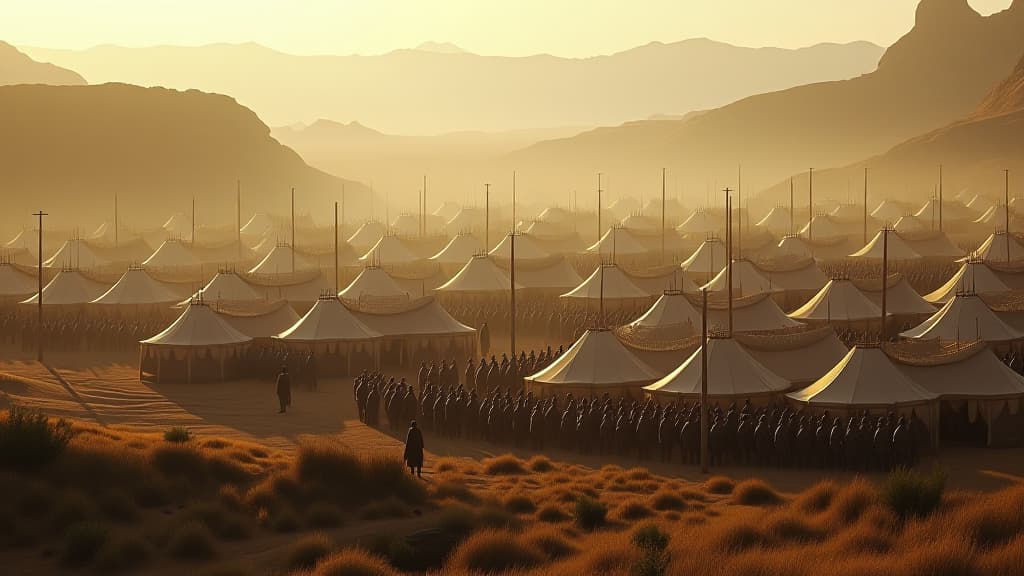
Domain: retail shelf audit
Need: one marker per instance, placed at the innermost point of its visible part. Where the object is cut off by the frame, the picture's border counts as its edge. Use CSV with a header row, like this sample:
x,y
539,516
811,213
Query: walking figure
x,y
414,450
284,389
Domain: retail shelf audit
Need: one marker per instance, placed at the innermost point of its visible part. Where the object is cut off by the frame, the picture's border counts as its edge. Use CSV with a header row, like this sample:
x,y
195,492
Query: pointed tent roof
x,y
980,375
898,249
409,224
640,223
265,322
547,229
16,282
178,224
372,281
993,249
708,258
424,318
558,276
618,241
900,297
794,245
597,359
459,249
447,209
623,206
777,220
479,275
229,287
172,254
137,287
866,377
755,314
951,210
367,235
889,211
671,309
555,215
77,253
747,280
390,250
823,227
617,286
465,220
198,327
799,276
702,223
933,244
69,287
848,213
732,373
328,321
656,282
526,249
259,224
973,276
673,208
279,261
994,216
839,300
26,240
981,204
965,317
908,224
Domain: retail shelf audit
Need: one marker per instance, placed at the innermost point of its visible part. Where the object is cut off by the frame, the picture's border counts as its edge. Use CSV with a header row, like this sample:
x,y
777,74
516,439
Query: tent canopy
x,y
865,378
732,373
422,318
597,359
709,258
328,321
616,285
747,280
838,300
375,282
284,259
479,276
198,327
965,317
526,249
972,276
459,250
229,287
898,249
69,287
618,242
390,250
671,309
136,287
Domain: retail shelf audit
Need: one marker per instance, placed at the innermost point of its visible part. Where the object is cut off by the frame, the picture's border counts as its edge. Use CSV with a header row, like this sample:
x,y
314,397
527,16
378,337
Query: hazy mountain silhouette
x,y
935,74
68,149
425,92
973,151
441,48
17,68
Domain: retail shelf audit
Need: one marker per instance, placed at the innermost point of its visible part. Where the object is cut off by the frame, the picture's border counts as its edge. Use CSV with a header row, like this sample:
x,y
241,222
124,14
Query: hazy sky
x,y
498,27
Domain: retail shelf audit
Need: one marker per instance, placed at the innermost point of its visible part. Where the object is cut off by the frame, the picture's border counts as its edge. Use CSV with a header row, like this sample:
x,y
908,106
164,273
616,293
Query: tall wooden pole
x,y
115,220
337,287
792,207
703,414
662,215
865,206
39,278
512,291
193,221
424,204
238,215
728,251
940,197
513,201
293,230
599,207
810,204
885,274
1006,195
487,217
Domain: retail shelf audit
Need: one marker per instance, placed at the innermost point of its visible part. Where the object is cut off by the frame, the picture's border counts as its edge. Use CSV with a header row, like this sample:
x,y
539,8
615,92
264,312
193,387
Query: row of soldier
x,y
485,375
19,330
775,435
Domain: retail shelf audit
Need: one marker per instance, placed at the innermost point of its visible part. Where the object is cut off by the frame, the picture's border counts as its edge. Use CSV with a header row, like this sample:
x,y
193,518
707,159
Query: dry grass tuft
x,y
719,485
817,498
353,562
549,540
540,464
631,509
755,492
852,501
192,541
667,500
491,551
519,504
307,551
503,465
552,514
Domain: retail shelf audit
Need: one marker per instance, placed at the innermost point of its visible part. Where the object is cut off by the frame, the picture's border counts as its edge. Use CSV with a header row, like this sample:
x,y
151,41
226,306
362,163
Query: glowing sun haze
x,y
575,28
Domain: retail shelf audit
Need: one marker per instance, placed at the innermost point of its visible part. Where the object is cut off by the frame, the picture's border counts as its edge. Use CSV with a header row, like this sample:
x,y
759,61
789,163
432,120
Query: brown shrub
x,y
667,500
631,509
447,488
446,465
790,526
1003,561
817,498
519,503
353,562
540,464
948,556
387,508
492,551
851,502
550,541
305,552
719,485
503,465
551,514
755,492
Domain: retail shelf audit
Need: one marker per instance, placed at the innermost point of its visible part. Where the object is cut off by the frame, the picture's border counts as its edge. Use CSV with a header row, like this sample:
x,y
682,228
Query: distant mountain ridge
x,y
466,91
69,149
936,74
18,68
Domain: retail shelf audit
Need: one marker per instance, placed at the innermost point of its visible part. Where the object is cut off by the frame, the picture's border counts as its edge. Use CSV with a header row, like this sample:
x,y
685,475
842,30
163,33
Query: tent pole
x,y
704,381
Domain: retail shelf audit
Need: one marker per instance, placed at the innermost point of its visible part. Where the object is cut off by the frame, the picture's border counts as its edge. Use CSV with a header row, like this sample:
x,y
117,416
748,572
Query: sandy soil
x,y
106,390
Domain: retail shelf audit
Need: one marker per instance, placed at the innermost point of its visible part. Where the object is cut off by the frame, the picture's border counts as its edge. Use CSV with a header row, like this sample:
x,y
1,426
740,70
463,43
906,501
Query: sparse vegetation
x,y
755,492
192,541
308,550
82,542
180,435
590,513
29,440
913,493
502,465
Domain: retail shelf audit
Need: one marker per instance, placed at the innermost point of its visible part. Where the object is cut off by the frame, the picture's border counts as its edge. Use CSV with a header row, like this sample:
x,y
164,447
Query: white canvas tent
x,y
897,248
367,235
701,223
671,310
616,286
328,321
996,247
479,276
373,282
229,287
777,220
838,301
709,258
16,283
390,251
747,280
68,288
594,364
964,318
172,254
137,288
526,249
754,314
733,374
283,259
972,276
822,227
198,344
459,250
616,242
866,378
77,253
558,276
900,297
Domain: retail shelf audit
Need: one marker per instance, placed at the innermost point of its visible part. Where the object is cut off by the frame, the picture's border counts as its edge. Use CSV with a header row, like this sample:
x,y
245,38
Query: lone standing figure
x,y
284,389
414,450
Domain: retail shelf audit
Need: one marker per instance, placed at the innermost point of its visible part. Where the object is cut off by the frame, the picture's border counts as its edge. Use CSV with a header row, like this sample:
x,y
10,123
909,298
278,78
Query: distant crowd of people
x,y
490,404
19,330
